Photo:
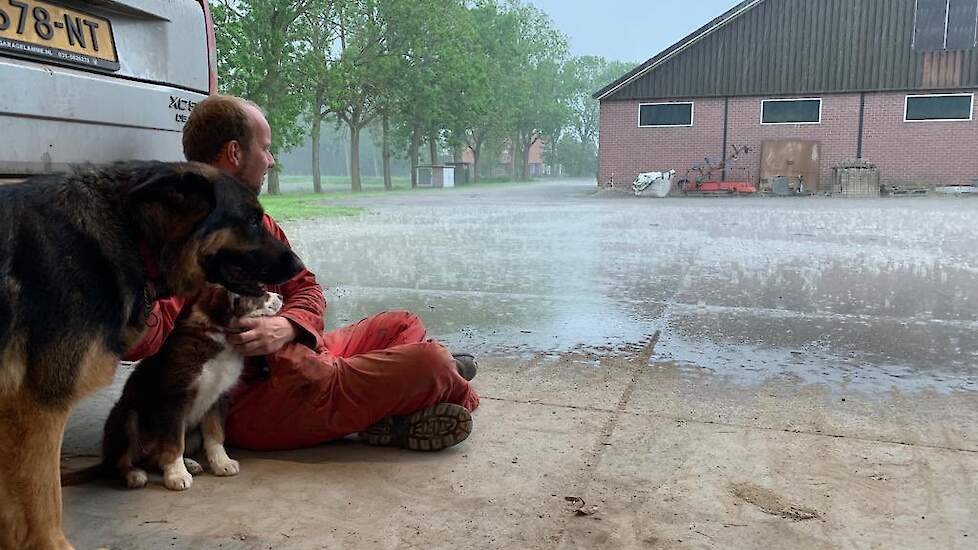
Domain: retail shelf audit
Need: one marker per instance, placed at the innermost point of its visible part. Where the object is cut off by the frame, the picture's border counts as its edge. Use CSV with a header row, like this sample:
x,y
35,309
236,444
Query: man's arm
x,y
158,327
304,306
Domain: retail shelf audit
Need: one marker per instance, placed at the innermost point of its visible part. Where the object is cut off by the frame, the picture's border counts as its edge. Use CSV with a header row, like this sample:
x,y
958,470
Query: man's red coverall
x,y
326,386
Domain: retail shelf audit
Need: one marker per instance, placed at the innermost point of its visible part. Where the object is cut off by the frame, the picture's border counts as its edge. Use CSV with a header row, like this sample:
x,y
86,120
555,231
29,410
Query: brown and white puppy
x,y
179,389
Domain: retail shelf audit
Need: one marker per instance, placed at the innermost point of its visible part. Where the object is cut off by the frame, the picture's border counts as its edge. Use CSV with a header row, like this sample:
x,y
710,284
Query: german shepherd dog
x,y
82,258
178,389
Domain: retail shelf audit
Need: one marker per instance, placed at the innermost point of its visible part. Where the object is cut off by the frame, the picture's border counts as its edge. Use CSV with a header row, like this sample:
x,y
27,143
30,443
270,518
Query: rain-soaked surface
x,y
870,295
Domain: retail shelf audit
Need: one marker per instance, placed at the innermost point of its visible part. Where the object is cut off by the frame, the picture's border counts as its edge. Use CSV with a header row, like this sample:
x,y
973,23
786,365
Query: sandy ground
x,y
655,374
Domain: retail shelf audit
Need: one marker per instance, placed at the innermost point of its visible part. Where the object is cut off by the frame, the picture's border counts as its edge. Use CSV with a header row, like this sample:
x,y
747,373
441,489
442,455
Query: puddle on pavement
x,y
866,294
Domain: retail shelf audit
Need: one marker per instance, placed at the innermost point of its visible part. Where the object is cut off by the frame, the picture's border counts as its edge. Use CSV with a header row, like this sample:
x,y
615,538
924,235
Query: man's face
x,y
256,160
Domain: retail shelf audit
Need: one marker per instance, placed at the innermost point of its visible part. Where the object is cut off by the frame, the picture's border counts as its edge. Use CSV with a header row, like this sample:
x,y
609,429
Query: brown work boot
x,y
466,365
433,429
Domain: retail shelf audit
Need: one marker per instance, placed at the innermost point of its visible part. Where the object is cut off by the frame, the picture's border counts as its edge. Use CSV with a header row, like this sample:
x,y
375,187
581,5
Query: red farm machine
x,y
719,178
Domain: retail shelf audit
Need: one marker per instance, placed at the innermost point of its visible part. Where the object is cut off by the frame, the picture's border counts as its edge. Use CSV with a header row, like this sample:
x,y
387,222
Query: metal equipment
x,y
719,178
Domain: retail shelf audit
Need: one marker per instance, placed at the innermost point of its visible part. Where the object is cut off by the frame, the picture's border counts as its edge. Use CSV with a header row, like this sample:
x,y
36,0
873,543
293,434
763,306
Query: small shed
x,y
436,176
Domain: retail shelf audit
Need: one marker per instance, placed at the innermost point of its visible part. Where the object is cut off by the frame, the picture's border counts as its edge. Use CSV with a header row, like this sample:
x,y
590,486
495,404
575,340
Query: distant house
x,y
501,166
806,84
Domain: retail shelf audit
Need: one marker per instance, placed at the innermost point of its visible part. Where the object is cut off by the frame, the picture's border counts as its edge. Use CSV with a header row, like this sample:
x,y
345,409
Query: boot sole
x,y
432,429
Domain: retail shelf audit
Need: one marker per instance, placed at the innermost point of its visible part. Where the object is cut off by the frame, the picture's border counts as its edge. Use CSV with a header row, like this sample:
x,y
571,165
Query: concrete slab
x,y
925,418
667,484
499,489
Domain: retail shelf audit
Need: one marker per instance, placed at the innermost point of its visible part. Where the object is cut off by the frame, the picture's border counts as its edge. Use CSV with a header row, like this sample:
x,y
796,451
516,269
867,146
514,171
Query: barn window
x,y
945,25
791,111
665,114
938,107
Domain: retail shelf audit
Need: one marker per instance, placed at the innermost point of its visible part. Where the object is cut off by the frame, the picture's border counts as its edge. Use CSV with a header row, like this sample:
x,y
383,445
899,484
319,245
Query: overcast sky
x,y
629,30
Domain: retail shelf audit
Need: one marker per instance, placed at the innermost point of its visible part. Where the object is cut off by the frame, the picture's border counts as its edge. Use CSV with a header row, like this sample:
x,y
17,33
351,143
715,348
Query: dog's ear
x,y
229,196
176,186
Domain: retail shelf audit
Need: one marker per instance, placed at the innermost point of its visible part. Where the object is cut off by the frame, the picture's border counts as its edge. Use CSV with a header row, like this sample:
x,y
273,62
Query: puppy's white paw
x,y
225,466
177,481
136,479
193,466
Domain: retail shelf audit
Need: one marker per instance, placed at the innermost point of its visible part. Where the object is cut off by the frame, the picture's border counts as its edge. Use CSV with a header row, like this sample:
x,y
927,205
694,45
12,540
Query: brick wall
x,y
837,134
919,152
629,150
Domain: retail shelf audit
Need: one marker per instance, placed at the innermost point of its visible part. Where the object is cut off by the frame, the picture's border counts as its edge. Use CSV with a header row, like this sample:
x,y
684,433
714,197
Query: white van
x,y
98,81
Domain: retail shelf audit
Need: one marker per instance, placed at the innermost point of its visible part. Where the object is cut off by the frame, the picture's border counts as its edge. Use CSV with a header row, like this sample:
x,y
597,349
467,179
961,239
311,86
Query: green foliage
x,y
334,186
433,77
481,74
534,106
296,206
580,78
490,99
259,43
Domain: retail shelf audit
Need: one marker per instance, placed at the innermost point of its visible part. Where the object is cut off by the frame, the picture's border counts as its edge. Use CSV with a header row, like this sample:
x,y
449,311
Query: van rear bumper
x,y
52,117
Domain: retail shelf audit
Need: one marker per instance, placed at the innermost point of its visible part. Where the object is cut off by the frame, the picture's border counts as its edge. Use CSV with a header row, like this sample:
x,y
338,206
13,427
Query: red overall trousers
x,y
378,367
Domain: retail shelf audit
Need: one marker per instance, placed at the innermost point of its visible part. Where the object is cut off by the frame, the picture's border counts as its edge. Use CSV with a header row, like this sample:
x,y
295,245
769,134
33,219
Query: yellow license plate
x,y
37,29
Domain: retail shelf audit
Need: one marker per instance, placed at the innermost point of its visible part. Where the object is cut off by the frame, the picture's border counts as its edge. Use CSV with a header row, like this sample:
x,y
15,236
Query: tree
x,y
538,108
430,75
317,69
359,74
259,42
484,122
580,78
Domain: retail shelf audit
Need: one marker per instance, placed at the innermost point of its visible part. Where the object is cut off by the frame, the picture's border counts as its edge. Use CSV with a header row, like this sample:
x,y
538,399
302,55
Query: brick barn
x,y
806,84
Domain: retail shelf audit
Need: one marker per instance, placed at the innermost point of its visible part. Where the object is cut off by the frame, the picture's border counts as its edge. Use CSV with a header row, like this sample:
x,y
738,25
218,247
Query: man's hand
x,y
262,335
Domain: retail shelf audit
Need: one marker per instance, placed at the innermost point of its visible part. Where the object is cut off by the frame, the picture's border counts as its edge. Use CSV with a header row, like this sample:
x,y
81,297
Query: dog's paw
x,y
136,479
193,466
177,481
225,467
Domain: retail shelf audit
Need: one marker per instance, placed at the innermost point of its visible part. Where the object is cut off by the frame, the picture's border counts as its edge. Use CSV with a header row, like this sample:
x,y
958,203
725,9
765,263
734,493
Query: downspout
x,y
723,154
862,118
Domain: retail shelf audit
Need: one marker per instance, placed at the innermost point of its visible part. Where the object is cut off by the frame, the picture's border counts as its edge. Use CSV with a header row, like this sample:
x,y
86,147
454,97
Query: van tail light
x,y
211,47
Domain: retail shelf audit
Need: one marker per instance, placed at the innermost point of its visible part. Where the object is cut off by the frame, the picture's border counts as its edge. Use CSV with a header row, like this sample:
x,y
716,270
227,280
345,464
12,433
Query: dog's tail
x,y
86,475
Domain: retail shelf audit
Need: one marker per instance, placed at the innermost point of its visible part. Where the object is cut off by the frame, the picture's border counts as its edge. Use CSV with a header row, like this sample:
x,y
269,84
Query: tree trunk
x,y
413,155
513,140
475,161
554,159
585,157
346,156
273,183
433,148
387,153
317,127
354,158
525,162
457,161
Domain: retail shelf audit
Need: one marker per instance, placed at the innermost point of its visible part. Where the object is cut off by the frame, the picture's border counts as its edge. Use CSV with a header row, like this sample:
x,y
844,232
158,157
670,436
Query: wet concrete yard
x,y
863,288
711,373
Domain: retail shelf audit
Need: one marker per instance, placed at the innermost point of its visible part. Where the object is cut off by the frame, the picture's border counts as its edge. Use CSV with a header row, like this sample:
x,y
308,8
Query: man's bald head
x,y
216,121
232,134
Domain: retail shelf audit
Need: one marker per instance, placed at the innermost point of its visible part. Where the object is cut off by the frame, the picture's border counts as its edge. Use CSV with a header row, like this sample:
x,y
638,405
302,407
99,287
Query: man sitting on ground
x,y
301,387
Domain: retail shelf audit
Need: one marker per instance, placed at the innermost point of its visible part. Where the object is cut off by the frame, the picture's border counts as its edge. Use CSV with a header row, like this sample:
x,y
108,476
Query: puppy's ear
x,y
175,185
215,302
240,305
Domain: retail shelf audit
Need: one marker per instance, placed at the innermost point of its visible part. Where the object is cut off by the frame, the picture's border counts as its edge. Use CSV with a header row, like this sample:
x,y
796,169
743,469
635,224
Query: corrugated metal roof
x,y
801,47
676,48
